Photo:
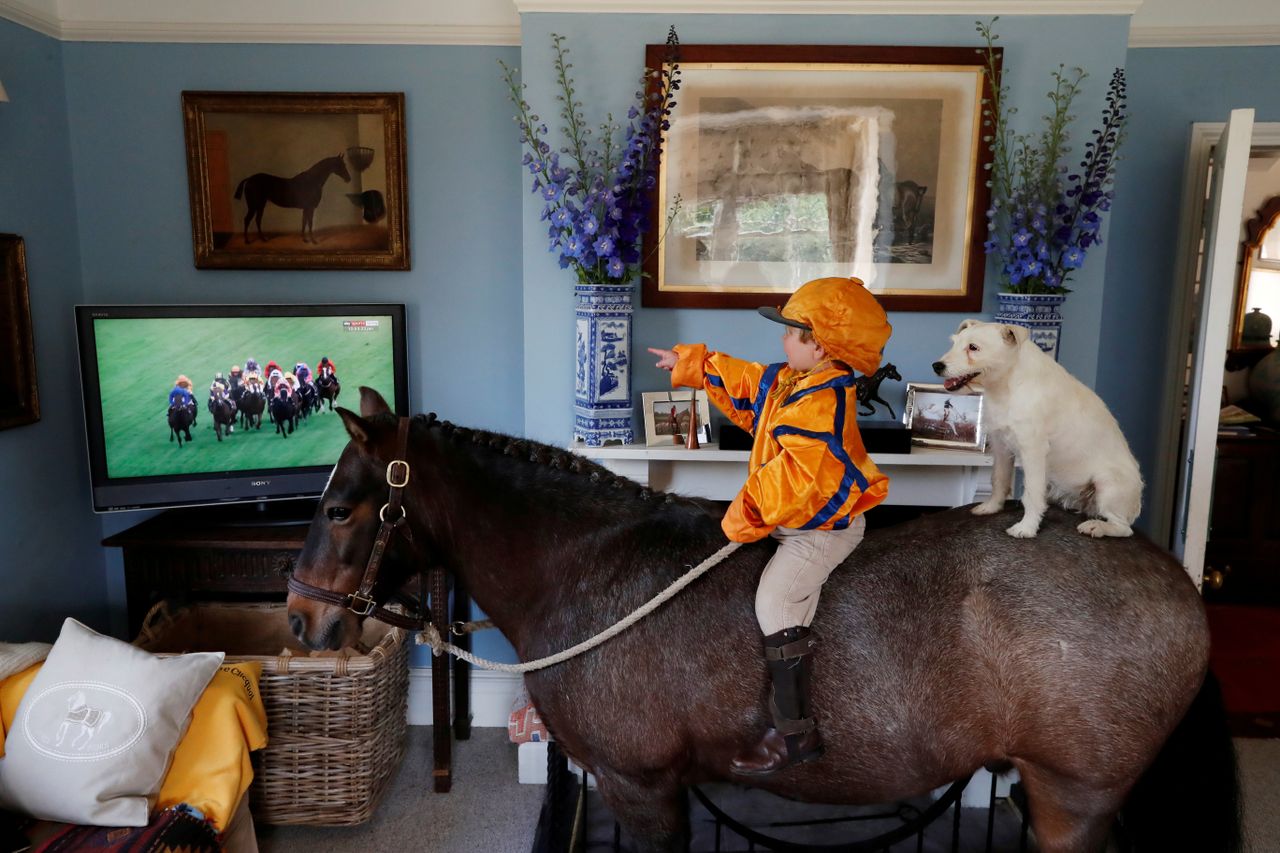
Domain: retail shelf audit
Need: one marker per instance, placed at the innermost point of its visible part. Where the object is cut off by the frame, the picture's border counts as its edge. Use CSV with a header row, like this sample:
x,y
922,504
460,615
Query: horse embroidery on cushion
x,y
88,718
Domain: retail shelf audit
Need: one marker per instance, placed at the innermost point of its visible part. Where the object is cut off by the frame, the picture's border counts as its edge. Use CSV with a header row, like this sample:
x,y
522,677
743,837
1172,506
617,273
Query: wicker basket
x,y
335,726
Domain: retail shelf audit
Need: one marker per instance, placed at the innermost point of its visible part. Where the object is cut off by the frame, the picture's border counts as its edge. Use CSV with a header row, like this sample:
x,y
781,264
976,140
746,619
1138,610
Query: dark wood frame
x,y
197,105
18,370
1255,232
974,265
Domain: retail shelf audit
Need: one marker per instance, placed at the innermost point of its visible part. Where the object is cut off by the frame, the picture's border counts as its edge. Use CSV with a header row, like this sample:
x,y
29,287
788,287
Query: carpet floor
x,y
488,811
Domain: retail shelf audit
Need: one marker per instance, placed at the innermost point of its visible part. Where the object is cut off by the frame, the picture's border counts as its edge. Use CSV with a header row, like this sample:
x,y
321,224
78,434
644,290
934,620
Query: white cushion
x,y
95,731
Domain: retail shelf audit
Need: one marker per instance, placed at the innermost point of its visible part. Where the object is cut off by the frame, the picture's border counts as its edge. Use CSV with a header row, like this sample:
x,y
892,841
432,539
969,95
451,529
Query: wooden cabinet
x,y
186,554
1244,531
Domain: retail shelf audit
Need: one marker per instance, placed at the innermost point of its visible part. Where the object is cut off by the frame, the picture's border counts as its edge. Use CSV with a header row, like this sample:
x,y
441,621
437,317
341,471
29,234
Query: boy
x,y
809,482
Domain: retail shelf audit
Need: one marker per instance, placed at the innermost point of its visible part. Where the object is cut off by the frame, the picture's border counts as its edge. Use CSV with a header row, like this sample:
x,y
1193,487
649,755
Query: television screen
x,y
200,404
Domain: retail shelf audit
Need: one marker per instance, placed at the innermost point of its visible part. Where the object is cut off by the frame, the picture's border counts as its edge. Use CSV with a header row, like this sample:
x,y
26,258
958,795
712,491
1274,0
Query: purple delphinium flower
x,y
1044,216
598,204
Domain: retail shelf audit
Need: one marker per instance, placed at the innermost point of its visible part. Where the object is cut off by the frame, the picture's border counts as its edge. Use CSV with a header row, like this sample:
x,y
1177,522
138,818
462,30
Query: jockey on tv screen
x,y
195,395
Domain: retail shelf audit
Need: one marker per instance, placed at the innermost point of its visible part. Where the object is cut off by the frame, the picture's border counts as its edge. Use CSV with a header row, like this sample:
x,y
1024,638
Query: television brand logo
x,y
259,482
360,325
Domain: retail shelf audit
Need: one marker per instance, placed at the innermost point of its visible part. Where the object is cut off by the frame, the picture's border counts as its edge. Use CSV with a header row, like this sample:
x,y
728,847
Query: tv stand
x,y
223,553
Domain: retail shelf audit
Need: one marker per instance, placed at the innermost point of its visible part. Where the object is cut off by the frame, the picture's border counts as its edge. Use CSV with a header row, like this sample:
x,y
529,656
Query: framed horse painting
x,y
786,163
19,399
297,180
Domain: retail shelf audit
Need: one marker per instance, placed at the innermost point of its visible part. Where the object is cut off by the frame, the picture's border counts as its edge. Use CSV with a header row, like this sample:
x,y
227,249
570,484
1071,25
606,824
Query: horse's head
x,y
344,529
340,168
891,372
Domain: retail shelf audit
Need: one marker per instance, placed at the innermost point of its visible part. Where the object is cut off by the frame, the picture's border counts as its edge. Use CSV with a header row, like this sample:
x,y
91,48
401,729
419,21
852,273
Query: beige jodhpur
x,y
793,579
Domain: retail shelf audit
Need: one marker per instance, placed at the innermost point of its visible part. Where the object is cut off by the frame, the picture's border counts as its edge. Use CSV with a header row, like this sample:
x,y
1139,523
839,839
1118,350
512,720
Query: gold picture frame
x,y
324,171
19,396
785,163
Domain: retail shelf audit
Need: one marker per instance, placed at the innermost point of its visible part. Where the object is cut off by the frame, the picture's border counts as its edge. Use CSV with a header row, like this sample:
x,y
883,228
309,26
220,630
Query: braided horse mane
x,y
571,475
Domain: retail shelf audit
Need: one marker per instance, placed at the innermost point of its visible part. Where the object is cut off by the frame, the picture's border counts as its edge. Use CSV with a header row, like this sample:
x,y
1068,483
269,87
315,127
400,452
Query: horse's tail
x,y
1189,799
240,187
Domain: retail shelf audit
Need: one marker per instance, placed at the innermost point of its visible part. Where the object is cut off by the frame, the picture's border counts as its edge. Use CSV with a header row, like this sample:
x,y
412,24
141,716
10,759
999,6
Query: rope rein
x,y
431,637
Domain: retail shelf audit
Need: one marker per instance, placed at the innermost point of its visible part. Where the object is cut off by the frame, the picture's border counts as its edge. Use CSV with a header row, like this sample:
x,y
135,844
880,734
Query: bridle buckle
x,y
361,605
393,467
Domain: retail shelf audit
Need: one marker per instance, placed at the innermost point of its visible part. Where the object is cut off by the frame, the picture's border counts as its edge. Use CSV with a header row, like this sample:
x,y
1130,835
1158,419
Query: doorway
x,y
1168,513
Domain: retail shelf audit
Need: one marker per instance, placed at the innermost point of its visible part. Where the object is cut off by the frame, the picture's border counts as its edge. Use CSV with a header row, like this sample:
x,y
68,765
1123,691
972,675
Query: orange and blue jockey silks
x,y
808,467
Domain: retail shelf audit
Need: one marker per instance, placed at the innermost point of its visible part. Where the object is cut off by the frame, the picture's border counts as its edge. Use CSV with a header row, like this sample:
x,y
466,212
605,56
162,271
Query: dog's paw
x,y
1024,530
1097,528
987,508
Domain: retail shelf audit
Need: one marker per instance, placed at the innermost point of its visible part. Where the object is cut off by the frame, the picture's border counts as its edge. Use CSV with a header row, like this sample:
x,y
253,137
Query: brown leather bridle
x,y
393,518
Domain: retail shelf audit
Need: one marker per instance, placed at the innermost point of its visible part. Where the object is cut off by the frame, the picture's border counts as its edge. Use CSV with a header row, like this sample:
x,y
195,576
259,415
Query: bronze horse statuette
x,y
945,645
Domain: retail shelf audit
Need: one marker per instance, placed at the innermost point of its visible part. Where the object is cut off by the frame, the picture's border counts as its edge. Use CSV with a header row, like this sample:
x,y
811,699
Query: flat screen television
x,y
132,355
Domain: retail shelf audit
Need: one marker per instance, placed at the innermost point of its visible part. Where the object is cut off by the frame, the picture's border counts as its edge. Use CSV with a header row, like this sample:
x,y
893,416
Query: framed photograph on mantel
x,y
940,418
19,399
785,163
297,180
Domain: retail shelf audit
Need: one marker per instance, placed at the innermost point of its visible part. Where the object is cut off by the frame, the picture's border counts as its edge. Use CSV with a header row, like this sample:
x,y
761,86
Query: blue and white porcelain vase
x,y
602,388
1038,312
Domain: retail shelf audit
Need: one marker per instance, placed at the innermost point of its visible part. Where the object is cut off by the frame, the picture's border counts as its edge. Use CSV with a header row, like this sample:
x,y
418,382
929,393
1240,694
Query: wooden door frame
x,y
1195,194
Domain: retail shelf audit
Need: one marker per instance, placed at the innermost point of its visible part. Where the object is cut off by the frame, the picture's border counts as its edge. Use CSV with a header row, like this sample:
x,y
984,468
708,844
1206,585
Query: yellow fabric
x,y
808,467
211,768
11,691
846,320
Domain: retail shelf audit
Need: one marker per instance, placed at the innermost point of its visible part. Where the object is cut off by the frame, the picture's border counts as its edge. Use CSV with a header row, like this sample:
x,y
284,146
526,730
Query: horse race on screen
x,y
216,394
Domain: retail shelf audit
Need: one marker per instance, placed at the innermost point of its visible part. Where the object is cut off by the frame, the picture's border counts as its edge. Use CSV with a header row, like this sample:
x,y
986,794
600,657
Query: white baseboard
x,y
492,695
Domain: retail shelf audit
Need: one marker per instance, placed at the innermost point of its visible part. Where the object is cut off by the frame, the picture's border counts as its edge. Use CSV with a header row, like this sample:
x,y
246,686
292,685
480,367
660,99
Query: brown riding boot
x,y
794,736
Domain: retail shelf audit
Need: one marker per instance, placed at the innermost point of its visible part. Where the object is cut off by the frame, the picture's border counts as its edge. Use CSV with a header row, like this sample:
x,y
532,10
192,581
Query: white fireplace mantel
x,y
927,476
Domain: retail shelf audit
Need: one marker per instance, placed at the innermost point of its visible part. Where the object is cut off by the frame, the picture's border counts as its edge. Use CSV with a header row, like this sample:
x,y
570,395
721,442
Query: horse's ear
x,y
356,426
371,403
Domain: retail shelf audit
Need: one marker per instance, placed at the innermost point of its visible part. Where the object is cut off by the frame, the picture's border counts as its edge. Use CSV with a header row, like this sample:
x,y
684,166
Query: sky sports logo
x,y
360,325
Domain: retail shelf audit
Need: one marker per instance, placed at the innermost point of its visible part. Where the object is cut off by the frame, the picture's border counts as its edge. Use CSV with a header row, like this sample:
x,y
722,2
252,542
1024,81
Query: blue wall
x,y
94,177
606,52
49,547
1169,90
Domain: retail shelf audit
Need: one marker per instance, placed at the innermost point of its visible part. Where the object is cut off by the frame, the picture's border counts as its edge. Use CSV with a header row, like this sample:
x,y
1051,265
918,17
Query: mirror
x,y
1259,287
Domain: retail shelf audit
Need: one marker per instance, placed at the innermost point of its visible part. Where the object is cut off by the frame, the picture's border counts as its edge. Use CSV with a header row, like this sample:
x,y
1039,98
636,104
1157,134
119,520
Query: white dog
x,y
1070,446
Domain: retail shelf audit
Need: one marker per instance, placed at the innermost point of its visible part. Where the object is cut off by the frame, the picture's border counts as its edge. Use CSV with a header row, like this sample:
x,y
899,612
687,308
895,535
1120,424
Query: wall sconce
x,y
4,96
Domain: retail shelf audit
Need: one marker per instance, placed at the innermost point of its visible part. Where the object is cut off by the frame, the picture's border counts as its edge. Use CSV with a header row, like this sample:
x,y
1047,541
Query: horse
x,y
252,404
869,389
309,398
328,386
283,413
946,645
181,419
222,409
88,718
908,198
302,191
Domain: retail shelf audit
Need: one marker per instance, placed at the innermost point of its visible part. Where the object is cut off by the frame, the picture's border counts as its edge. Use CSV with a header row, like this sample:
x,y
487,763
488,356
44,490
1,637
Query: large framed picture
x,y
19,398
297,180
786,163
940,418
667,415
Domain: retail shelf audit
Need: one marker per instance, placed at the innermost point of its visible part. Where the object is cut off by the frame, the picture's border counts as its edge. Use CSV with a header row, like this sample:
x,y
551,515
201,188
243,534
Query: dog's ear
x,y
1015,335
964,324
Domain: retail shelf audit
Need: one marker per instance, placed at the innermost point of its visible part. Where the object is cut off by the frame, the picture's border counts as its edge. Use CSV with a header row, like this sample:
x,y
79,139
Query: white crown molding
x,y
1204,36
42,18
476,22
291,33
835,7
